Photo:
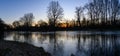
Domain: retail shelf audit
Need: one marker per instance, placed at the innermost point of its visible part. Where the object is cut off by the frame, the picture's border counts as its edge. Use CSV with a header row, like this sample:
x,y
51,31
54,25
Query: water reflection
x,y
65,43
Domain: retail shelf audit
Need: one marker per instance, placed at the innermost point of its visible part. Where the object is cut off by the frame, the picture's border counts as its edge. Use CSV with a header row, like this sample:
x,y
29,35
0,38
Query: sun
x,y
63,25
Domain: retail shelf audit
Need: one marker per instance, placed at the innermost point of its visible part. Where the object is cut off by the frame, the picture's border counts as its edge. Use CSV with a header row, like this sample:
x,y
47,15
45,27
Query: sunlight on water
x,y
65,43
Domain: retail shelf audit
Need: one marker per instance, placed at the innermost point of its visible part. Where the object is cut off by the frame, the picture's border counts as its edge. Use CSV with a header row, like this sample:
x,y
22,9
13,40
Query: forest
x,y
95,15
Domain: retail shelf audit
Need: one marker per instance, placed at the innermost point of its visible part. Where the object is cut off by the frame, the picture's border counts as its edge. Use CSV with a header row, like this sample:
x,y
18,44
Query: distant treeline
x,y
96,14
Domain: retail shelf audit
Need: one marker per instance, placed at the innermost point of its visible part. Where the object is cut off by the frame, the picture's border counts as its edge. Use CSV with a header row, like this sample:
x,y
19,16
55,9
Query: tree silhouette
x,y
16,24
27,20
114,5
90,12
102,11
97,14
55,12
42,23
2,25
79,12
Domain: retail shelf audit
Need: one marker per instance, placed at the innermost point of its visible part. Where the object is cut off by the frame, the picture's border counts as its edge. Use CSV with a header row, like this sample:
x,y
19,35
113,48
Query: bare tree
x,y
79,14
42,23
103,10
90,12
55,12
115,7
27,19
16,24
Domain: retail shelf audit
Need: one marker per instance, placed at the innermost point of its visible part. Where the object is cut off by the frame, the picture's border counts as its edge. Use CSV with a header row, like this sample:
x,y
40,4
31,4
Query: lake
x,y
65,43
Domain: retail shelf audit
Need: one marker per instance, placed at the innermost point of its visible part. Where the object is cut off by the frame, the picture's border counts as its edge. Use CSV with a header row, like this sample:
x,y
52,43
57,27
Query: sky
x,y
12,10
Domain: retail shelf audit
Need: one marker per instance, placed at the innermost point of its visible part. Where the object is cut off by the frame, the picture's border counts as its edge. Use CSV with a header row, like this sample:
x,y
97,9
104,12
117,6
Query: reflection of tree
x,y
78,45
42,37
22,37
105,47
56,44
28,36
81,45
87,44
16,36
53,42
97,45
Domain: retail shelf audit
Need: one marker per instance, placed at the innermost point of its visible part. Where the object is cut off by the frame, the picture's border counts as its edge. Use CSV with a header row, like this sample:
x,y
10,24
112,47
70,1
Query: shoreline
x,y
12,48
61,30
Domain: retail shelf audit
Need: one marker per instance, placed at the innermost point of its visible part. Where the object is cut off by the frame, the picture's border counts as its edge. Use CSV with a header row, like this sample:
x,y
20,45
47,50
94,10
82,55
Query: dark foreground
x,y
10,48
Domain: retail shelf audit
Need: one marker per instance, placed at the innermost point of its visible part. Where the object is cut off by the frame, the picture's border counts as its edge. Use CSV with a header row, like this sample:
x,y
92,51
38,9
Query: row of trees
x,y
25,21
94,13
55,12
99,12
